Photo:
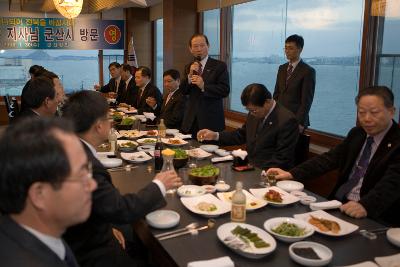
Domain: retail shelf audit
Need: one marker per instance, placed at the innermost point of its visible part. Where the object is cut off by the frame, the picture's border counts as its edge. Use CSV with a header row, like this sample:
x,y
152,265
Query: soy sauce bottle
x,y
158,159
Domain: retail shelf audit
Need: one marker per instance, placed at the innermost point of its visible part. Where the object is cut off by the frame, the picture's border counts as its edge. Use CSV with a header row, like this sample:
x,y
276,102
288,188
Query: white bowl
x,y
275,222
163,219
209,148
222,187
322,251
290,185
307,200
298,193
393,235
209,188
171,131
111,162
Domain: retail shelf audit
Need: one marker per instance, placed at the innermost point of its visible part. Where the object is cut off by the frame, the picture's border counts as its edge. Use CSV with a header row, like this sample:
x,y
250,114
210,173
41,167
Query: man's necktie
x,y
116,86
289,73
70,258
168,98
200,69
359,171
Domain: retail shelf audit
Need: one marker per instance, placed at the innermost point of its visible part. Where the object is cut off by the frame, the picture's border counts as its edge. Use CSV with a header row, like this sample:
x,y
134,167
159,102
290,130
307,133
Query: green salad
x,y
116,116
180,153
248,236
289,229
127,121
205,171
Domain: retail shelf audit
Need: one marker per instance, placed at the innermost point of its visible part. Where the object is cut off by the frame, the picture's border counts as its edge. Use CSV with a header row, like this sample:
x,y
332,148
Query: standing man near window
x,y
206,81
114,85
295,82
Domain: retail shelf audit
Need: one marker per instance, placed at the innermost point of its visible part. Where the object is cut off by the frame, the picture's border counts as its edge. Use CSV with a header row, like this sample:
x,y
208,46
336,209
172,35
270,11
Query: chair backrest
x,y
12,107
302,148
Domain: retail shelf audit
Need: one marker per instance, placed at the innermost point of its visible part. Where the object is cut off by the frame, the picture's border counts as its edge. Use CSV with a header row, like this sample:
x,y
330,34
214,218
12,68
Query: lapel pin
x,y
389,145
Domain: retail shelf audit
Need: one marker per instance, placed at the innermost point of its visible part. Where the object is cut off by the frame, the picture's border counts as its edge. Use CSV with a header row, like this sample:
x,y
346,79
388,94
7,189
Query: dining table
x,y
179,251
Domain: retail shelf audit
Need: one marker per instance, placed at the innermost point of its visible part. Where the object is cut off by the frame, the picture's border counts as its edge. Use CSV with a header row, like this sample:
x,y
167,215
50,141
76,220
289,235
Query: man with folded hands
x,y
93,242
270,131
368,161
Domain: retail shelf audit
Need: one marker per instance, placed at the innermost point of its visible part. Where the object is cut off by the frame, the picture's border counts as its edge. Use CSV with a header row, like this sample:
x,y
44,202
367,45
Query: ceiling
x,y
89,6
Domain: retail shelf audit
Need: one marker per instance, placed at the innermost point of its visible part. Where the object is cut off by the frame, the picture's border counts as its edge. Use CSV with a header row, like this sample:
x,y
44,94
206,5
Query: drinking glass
x,y
192,159
184,174
268,180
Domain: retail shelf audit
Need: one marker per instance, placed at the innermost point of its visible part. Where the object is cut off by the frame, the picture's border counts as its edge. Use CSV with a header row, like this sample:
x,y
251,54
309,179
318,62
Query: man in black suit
x,y
368,160
295,82
93,242
206,81
45,187
173,105
114,84
270,131
129,89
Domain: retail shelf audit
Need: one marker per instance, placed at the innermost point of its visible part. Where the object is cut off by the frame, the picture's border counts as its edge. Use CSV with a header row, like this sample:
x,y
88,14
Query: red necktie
x,y
200,69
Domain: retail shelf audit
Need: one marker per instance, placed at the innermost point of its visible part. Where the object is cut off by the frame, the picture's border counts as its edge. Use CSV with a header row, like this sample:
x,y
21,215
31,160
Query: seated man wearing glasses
x,y
270,131
45,187
93,242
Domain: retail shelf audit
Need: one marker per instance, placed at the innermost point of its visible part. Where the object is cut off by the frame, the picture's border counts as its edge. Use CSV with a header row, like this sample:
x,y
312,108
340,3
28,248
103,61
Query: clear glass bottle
x,y
162,129
112,138
238,212
168,164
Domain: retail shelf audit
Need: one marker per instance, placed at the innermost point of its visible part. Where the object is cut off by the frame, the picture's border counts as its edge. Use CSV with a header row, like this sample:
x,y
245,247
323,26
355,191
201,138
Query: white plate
x,y
345,227
146,148
222,187
111,162
290,186
131,133
121,142
191,204
142,141
198,153
150,133
224,231
130,111
252,203
275,222
322,251
209,188
286,197
209,148
222,152
136,157
191,191
168,141
393,235
171,131
162,219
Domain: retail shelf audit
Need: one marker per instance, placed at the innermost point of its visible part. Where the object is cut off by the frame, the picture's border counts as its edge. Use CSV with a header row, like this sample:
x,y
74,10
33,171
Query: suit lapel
x,y
295,73
208,68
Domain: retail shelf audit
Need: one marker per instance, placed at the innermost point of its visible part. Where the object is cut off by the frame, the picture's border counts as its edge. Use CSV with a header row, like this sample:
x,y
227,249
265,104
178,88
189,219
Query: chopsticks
x,y
122,168
372,234
189,229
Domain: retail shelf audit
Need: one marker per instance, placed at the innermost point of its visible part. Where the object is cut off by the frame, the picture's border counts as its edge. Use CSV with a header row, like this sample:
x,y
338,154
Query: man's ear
x,y
37,195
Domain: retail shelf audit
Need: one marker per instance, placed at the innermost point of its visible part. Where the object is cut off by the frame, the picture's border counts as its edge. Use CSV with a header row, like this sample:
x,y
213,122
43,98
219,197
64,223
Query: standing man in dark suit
x,y
173,105
368,160
146,91
114,85
93,242
270,131
295,82
206,82
128,89
45,187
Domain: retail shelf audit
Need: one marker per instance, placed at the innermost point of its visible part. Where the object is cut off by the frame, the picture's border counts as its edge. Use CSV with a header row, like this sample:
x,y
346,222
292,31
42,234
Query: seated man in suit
x,y
270,131
295,82
173,106
45,187
129,90
93,242
368,161
40,98
114,85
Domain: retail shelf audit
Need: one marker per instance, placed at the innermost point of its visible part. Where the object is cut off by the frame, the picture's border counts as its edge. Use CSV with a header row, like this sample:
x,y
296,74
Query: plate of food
x,y
147,141
198,153
136,157
288,229
191,191
246,240
131,134
126,145
252,203
151,133
174,141
327,224
310,253
274,195
206,205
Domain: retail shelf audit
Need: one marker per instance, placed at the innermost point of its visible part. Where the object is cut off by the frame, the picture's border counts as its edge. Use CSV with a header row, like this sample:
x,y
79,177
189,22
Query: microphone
x,y
197,59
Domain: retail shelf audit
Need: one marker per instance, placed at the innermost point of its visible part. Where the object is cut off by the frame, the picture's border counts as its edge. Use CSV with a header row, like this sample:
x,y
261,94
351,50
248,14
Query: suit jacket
x,y
298,95
139,102
206,107
127,93
93,241
26,113
381,185
172,112
111,86
273,145
20,248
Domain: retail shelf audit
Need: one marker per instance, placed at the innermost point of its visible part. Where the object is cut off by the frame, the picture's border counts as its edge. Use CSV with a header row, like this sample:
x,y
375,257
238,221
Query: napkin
x,y
239,153
141,155
362,264
219,159
326,205
218,262
222,152
389,261
183,136
149,115
142,118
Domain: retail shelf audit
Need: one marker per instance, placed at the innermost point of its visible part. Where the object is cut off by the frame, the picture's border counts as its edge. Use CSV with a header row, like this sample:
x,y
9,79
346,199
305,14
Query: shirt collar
x,y
144,87
379,137
270,111
91,148
294,64
204,61
129,79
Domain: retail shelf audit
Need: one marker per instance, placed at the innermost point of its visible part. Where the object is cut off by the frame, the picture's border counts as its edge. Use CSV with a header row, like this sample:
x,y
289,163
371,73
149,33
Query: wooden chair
x,y
302,149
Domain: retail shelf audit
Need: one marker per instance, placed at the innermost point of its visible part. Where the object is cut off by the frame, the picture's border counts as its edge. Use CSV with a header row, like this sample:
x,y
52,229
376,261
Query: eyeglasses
x,y
85,179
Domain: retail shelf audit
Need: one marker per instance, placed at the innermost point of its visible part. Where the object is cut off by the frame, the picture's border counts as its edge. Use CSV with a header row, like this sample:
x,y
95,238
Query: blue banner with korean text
x,y
59,33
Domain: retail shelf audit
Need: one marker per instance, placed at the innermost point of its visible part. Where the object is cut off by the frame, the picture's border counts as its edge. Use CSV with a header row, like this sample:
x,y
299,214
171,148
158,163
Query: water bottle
x,y
238,212
162,129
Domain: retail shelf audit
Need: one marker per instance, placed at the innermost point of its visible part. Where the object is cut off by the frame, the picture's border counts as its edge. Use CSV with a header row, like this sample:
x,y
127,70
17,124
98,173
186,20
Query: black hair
x,y
380,91
255,94
126,67
31,152
38,90
145,71
84,108
115,64
36,70
173,73
198,35
297,39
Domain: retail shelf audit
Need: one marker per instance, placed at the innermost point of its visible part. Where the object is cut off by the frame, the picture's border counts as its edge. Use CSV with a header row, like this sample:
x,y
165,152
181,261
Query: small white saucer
x,y
393,235
290,185
322,251
110,162
163,219
222,187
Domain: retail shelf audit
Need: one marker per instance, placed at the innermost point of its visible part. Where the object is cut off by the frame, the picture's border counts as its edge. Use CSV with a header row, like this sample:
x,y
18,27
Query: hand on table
x,y
205,134
354,209
151,101
119,236
170,179
280,174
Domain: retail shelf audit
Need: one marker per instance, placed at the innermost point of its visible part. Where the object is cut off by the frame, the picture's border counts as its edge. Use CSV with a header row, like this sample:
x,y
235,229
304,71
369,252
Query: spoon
x,y
187,227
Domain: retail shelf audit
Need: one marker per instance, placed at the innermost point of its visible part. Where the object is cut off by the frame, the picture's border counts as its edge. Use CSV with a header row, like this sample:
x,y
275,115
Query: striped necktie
x,y
289,73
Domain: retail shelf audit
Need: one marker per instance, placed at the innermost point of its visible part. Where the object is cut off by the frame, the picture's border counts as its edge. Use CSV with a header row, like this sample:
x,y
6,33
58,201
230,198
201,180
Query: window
x,y
159,54
332,34
211,29
77,69
108,57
